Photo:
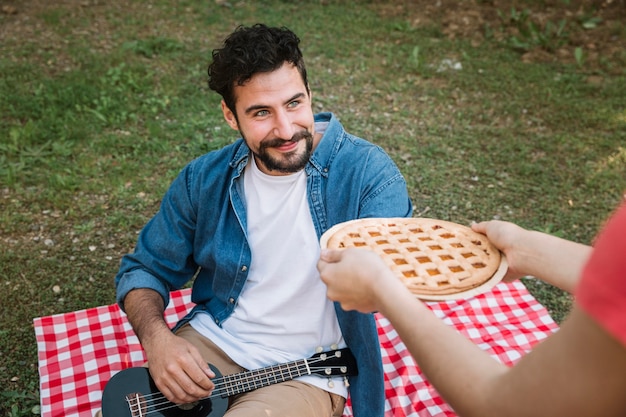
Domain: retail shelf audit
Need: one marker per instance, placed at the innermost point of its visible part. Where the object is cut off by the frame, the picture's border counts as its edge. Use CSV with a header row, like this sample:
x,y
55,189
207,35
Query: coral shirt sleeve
x,y
602,289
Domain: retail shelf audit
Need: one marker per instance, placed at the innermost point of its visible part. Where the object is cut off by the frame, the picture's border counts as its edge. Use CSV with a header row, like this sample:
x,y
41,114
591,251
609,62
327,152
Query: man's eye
x,y
293,104
262,113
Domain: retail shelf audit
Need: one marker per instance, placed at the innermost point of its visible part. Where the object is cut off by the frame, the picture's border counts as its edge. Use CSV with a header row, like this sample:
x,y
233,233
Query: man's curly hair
x,y
251,50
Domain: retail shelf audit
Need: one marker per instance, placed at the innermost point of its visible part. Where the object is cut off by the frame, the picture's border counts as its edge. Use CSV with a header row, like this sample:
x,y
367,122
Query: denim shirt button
x,y
231,300
244,268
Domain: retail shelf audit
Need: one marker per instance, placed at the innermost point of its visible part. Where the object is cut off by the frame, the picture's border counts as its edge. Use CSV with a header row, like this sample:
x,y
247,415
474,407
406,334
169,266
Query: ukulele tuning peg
x,y
346,382
331,384
334,346
319,349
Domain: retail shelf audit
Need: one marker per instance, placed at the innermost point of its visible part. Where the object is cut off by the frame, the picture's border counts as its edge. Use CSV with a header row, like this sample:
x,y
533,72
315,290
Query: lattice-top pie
x,y
437,260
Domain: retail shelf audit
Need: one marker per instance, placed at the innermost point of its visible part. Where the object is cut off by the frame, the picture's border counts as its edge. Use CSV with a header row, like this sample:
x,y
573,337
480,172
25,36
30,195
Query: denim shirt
x,y
200,230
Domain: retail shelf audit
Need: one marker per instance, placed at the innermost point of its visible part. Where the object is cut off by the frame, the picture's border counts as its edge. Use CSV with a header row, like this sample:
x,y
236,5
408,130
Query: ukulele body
x,y
125,397
133,393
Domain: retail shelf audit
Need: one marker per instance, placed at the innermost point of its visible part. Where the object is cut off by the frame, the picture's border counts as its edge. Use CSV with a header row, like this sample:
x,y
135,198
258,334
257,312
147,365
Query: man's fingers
x,y
185,379
185,389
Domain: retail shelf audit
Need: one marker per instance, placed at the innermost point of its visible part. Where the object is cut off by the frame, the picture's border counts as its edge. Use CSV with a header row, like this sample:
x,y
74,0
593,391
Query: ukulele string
x,y
250,376
158,402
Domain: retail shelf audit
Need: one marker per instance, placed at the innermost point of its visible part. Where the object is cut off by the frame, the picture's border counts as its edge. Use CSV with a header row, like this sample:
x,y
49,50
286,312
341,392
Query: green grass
x,y
102,106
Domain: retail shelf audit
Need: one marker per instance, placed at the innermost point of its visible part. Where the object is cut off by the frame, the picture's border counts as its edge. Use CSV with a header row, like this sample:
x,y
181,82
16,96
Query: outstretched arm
x,y
580,370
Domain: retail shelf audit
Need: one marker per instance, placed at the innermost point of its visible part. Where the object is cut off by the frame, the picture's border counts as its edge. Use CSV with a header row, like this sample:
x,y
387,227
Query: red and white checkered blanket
x,y
79,351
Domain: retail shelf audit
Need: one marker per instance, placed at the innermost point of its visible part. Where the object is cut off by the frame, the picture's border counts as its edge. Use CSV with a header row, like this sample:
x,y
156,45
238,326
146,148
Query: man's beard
x,y
290,162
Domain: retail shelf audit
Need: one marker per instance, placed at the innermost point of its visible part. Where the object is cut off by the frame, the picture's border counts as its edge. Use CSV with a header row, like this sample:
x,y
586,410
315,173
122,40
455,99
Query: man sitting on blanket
x,y
245,221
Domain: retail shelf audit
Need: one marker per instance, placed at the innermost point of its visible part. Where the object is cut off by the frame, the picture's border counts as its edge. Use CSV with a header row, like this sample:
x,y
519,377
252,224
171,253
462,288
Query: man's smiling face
x,y
275,118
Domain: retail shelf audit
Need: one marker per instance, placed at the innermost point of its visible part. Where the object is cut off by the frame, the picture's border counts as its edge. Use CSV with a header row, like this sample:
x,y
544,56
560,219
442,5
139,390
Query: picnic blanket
x,y
78,352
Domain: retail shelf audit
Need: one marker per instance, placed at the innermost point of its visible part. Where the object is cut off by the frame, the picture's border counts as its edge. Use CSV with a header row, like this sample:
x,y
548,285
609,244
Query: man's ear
x,y
229,116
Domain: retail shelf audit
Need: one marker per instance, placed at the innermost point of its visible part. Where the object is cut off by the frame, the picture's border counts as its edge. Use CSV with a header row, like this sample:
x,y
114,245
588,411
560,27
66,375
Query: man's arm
x,y
178,369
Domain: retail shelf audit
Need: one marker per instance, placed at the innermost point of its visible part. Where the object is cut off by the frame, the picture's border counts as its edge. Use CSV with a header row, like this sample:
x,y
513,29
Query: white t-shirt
x,y
282,313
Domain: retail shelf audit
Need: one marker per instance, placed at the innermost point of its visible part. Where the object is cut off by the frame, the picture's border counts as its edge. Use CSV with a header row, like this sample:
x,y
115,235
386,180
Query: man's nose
x,y
283,126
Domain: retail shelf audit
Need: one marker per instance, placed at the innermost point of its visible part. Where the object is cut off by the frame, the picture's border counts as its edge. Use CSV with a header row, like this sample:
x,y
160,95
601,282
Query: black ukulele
x,y
132,392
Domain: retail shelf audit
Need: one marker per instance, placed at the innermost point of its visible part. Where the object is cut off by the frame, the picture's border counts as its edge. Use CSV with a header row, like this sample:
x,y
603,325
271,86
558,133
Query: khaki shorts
x,y
286,399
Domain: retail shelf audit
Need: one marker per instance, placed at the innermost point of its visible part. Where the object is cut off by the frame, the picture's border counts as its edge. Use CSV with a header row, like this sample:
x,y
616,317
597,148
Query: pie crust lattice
x,y
436,260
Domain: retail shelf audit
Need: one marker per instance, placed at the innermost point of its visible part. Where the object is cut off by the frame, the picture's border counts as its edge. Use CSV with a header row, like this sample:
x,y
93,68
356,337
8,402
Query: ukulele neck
x,y
258,378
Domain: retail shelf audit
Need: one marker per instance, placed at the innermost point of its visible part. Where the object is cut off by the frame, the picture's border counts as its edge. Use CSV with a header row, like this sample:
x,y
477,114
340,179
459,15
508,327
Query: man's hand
x,y
176,366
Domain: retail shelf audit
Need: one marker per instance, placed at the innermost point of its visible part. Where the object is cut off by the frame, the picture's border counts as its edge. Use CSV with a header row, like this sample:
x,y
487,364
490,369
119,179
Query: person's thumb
x,y
330,255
